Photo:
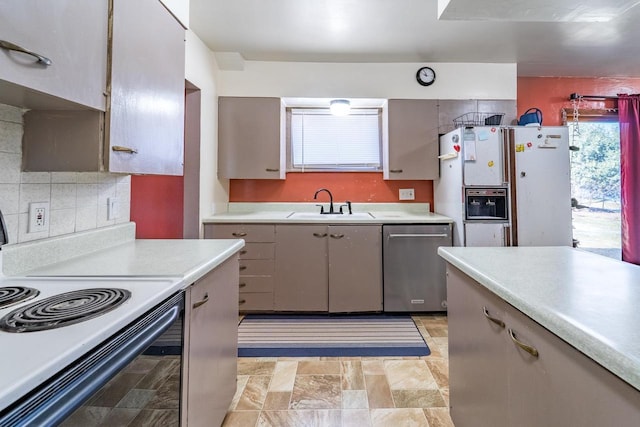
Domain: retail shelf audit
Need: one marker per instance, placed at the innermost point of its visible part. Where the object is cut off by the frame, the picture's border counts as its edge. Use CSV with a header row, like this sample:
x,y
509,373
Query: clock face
x,y
426,76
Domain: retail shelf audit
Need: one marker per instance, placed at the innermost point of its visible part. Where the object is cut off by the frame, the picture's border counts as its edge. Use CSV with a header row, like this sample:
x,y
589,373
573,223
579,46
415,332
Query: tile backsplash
x,y
77,200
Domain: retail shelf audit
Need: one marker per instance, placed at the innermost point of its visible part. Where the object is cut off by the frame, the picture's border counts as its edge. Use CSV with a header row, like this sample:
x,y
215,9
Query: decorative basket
x,y
478,119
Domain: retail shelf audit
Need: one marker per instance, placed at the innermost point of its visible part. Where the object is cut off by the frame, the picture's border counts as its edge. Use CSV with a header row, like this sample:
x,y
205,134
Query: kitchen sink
x,y
330,217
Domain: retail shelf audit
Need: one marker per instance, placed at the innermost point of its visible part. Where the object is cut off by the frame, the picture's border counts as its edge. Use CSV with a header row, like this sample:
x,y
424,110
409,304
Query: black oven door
x,y
91,387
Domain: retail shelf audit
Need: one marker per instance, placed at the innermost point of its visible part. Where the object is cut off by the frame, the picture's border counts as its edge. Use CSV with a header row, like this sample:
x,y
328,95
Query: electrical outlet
x,y
38,217
113,207
407,194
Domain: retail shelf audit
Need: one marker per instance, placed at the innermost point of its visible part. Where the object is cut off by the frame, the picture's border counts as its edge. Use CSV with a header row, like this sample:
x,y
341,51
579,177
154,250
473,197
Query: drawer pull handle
x,y
203,301
242,301
239,234
493,319
243,252
320,234
531,350
337,236
243,267
396,171
121,149
243,285
272,170
11,46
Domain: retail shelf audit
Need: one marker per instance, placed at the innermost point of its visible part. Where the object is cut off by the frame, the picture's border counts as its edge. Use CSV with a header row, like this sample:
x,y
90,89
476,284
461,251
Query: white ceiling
x,y
542,38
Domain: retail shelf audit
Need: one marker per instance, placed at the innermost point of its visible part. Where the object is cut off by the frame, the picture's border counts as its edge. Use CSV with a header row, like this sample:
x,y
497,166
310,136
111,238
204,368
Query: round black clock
x,y
426,76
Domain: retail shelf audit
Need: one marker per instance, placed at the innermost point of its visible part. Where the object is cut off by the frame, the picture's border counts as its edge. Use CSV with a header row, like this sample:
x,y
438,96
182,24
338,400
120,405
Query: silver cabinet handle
x,y
11,46
272,170
239,234
320,234
242,285
243,267
122,149
337,236
242,301
394,236
531,350
493,319
395,170
203,301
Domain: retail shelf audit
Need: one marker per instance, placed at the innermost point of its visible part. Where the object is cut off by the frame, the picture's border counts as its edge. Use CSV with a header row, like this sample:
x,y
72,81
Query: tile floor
x,y
347,391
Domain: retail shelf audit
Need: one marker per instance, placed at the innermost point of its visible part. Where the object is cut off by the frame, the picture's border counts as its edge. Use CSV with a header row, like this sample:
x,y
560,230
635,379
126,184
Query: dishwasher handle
x,y
402,235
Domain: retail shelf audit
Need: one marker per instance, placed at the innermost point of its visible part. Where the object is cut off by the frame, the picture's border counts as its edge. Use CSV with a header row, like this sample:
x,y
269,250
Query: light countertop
x,y
588,300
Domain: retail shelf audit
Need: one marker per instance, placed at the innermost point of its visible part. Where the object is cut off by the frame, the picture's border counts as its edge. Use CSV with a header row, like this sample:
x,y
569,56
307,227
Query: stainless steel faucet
x,y
315,196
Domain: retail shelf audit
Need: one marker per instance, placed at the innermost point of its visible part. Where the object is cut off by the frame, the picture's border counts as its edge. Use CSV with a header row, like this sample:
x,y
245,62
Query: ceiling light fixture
x,y
340,107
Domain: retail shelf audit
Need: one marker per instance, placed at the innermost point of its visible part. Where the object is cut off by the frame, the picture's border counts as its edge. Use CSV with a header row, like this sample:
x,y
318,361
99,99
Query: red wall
x,y
551,94
156,206
353,186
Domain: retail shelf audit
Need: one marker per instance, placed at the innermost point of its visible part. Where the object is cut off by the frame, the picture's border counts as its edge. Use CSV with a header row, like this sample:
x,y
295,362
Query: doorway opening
x,y
595,187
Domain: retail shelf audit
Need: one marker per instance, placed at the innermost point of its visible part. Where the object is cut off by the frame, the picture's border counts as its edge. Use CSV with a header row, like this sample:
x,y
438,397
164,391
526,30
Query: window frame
x,y
289,147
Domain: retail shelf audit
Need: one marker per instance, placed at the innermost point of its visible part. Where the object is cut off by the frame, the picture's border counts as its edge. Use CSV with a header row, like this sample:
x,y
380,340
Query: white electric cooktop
x,y
29,358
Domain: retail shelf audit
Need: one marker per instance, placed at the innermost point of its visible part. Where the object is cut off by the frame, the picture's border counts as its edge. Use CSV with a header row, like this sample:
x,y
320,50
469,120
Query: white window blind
x,y
320,140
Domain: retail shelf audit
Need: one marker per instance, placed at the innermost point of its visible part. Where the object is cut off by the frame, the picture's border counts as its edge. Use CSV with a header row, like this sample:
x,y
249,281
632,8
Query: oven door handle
x,y
68,390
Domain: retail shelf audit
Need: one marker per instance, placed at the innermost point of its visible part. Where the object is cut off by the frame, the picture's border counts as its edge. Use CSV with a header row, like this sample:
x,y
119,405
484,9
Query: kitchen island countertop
x,y
588,300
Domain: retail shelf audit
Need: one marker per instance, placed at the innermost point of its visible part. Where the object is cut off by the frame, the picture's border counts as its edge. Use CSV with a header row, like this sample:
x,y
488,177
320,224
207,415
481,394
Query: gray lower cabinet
x,y
142,130
211,346
257,262
335,268
72,34
495,380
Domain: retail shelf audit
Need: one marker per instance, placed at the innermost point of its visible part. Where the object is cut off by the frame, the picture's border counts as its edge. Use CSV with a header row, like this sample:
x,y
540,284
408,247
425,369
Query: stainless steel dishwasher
x,y
414,274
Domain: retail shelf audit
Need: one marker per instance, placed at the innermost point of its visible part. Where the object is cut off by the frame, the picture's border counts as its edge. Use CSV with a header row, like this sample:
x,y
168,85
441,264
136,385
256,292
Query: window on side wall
x,y
320,141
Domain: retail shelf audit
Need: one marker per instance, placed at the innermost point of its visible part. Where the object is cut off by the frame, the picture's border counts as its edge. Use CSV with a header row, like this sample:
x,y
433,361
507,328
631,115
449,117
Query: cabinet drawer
x,y
256,284
248,232
256,267
257,251
256,301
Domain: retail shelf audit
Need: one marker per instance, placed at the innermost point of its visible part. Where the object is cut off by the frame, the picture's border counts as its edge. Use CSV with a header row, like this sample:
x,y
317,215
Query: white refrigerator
x,y
506,186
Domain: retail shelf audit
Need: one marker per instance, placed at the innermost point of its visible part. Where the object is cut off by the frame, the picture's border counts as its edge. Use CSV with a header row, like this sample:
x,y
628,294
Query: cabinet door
x,y
412,139
355,268
301,268
212,349
561,386
146,111
72,34
477,354
251,138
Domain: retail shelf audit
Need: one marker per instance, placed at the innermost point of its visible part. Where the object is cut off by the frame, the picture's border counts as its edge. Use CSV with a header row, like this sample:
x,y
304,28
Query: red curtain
x,y
629,115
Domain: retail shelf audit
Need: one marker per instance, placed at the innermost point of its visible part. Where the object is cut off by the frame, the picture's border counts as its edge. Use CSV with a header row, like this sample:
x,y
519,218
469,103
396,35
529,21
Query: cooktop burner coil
x,y
63,309
10,295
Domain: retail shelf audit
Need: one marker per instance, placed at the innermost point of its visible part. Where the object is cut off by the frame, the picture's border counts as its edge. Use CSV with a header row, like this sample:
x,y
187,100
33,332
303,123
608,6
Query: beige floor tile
x,y
254,393
255,367
352,377
418,399
241,382
378,391
316,392
438,417
354,399
319,368
437,331
398,417
439,368
444,391
409,374
241,419
372,367
356,418
277,401
307,418
434,347
284,376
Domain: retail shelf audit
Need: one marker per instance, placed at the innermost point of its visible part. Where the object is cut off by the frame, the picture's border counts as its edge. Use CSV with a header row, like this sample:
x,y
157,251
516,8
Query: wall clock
x,y
426,76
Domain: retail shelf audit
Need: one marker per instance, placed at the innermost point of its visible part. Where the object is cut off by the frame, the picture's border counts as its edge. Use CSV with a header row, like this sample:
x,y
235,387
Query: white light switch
x,y
407,194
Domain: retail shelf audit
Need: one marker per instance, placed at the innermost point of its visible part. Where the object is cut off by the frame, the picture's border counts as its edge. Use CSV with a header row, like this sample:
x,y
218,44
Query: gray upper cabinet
x,y
251,138
72,34
146,109
411,146
142,130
